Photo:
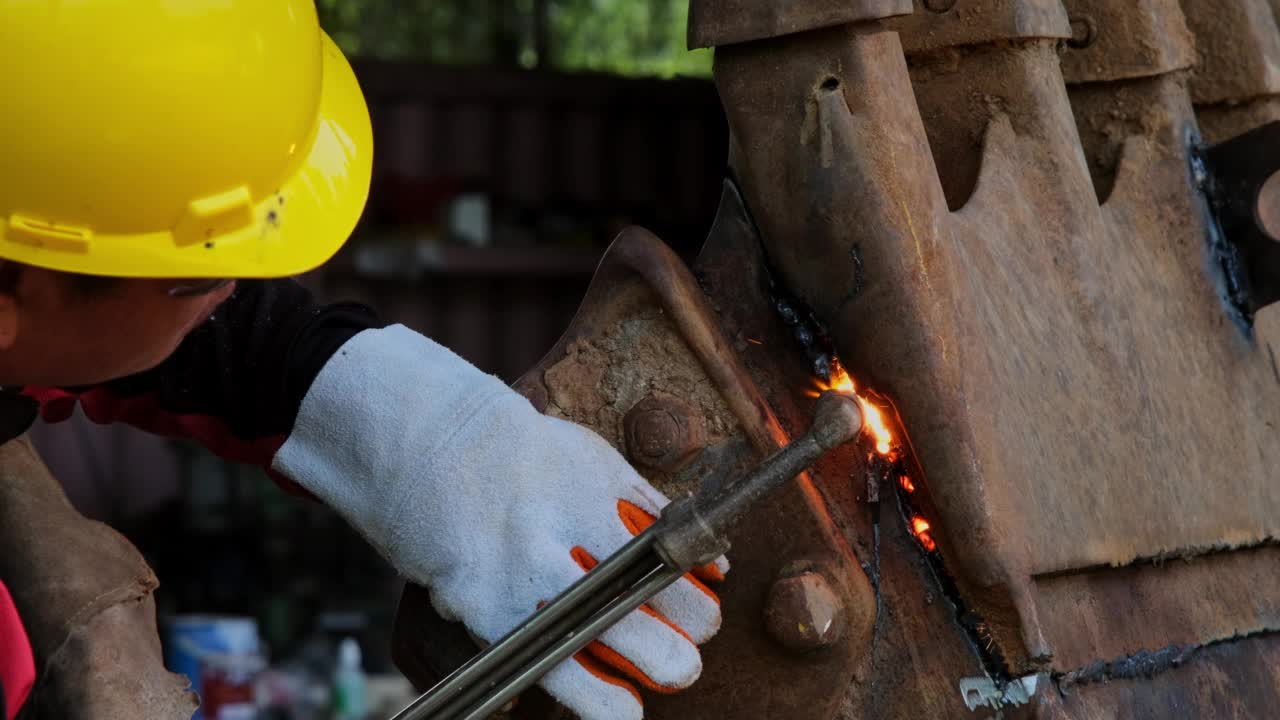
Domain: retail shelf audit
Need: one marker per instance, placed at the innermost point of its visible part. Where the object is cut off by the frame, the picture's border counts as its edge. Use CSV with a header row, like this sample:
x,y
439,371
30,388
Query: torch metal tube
x,y
691,531
568,626
487,662
655,582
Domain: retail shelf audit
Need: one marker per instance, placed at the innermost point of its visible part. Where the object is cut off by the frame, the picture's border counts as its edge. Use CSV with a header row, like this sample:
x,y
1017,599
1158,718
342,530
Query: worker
x,y
162,166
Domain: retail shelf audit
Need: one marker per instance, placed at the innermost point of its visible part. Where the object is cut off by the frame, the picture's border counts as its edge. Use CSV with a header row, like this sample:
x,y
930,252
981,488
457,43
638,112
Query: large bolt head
x,y
803,612
662,433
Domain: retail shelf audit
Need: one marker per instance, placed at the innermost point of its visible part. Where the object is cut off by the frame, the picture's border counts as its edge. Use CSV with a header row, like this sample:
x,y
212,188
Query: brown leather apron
x,y
85,595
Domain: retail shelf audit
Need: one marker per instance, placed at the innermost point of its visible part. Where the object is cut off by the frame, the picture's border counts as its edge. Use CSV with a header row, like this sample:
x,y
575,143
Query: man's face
x,y
53,333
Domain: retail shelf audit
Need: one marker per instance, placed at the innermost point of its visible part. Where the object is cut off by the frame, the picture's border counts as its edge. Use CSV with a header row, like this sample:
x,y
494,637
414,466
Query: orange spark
x,y
872,418
906,484
920,528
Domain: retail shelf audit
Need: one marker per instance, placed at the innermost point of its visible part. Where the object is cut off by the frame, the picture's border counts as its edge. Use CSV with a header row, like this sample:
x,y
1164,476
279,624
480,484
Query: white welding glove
x,y
495,508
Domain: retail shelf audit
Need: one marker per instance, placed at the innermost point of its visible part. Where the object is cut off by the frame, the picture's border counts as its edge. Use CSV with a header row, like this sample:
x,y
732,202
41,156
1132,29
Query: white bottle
x,y
349,685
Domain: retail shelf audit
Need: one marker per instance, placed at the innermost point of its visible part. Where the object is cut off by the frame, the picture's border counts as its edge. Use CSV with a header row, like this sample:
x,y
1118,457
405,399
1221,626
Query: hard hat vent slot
x,y
51,236
213,216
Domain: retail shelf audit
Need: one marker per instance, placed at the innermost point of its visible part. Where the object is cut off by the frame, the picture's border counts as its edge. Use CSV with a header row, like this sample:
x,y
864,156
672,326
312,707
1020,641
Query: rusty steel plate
x,y
645,364
918,646
1026,272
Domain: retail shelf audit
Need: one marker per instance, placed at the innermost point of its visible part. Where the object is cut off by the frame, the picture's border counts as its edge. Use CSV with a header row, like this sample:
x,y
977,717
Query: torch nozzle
x,y
837,419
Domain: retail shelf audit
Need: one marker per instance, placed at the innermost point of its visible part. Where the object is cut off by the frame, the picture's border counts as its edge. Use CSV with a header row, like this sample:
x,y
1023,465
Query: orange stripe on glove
x,y
599,658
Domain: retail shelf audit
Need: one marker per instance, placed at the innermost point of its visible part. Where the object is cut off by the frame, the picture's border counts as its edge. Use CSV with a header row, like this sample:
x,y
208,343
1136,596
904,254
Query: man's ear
x,y
8,320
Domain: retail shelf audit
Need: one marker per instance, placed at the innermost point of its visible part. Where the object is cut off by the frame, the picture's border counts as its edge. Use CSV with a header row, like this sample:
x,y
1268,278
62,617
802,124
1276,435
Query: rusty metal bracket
x,y
1241,178
644,327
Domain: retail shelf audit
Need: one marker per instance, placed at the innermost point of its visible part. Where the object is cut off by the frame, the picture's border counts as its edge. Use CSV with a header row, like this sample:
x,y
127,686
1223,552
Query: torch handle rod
x,y
606,580
653,583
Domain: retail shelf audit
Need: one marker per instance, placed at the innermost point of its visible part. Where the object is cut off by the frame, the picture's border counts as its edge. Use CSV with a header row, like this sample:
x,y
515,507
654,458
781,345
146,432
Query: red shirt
x,y
17,667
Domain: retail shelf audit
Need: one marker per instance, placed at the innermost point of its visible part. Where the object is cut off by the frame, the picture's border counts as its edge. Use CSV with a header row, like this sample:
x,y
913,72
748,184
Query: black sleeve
x,y
236,382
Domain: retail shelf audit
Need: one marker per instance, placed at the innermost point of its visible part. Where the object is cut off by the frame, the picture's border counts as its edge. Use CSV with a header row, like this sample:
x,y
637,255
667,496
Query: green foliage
x,y
629,37
445,31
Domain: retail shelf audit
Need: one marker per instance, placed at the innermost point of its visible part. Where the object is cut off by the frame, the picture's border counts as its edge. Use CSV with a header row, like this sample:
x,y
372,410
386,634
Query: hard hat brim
x,y
290,231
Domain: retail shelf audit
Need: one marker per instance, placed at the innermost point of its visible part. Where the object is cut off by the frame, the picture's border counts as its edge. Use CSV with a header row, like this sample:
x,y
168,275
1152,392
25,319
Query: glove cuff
x,y
384,394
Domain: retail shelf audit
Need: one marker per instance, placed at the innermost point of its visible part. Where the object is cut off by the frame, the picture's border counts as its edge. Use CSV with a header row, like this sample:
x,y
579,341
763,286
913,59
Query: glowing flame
x,y
841,381
920,528
875,422
872,418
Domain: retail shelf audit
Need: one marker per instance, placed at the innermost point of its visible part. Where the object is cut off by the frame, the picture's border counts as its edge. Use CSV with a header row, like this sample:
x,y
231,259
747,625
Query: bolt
x,y
1083,32
939,6
662,433
804,613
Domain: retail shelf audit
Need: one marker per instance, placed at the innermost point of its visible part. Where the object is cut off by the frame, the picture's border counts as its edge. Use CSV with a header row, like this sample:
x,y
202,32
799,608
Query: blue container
x,y
190,640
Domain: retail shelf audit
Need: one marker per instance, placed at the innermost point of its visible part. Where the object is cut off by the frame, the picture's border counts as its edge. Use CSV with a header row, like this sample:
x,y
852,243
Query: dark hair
x,y
84,286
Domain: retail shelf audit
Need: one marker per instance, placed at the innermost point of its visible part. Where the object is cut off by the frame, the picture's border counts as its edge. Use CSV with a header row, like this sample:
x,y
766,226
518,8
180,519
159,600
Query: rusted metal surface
x,y
972,22
918,646
1077,387
645,325
1112,612
1125,40
725,22
1236,79
1237,48
1239,679
1109,115
1222,122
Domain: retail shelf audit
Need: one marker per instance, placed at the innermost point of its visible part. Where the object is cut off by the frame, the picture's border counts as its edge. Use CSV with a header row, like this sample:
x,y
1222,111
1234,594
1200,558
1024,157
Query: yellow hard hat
x,y
177,138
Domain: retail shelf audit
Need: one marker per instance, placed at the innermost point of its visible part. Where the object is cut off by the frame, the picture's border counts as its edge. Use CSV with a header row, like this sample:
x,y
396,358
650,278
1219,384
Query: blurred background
x,y
514,138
